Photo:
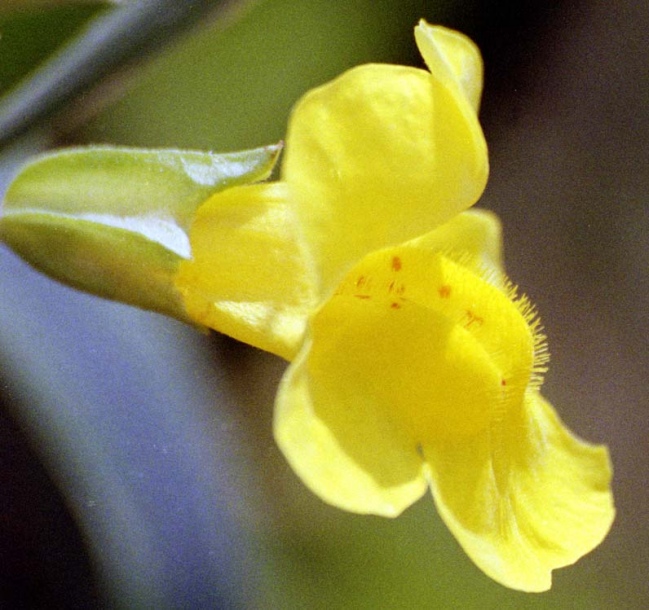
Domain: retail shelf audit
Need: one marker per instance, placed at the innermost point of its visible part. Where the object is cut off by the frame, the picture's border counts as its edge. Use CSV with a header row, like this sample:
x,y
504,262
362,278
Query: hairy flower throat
x,y
464,351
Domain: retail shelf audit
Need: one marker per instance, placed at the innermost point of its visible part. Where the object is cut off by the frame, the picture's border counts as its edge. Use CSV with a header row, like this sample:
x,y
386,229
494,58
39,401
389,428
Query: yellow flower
x,y
414,364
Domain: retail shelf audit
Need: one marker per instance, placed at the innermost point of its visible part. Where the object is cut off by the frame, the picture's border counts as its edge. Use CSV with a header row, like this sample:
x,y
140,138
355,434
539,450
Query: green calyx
x,y
115,221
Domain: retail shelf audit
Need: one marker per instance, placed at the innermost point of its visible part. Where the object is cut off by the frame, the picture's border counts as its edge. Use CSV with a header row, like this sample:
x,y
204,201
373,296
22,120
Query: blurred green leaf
x,y
28,37
229,88
112,41
16,5
131,182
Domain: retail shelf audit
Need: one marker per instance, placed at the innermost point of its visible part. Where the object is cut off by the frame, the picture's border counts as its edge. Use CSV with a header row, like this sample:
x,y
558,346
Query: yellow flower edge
x,y
396,149
525,497
453,58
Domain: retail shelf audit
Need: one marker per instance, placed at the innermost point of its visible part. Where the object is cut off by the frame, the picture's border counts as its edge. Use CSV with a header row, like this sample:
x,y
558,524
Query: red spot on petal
x,y
396,263
395,306
473,319
444,291
503,382
396,287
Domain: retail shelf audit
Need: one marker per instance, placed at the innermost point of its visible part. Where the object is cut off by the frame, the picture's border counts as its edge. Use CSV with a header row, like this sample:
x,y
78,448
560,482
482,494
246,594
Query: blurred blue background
x,y
137,462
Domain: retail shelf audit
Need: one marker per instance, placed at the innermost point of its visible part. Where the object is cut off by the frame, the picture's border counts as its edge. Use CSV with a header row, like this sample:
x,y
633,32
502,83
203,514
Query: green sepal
x,y
132,182
115,221
111,263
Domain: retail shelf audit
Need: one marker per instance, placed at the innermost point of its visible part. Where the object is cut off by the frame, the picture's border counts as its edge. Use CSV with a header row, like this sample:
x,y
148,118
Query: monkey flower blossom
x,y
414,363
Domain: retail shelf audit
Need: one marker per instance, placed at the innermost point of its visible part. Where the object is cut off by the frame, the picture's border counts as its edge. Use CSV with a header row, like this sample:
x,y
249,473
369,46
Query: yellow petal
x,y
474,238
524,497
452,58
411,348
378,156
336,441
247,277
